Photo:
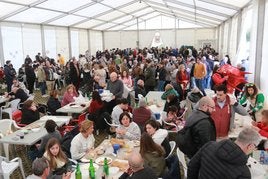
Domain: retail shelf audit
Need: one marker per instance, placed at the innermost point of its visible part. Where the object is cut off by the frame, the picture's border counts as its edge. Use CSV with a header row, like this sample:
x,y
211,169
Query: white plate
x,y
113,170
85,166
35,129
84,160
100,160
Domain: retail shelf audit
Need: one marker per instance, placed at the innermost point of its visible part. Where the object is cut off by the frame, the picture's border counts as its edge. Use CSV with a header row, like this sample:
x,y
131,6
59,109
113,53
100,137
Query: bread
x,y
121,142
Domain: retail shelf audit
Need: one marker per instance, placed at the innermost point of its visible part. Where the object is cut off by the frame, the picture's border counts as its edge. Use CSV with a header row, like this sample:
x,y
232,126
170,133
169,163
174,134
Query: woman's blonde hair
x,y
70,86
85,125
168,87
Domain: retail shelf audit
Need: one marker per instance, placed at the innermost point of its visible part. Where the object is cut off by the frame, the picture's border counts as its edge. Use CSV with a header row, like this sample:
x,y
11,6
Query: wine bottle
x,y
78,174
106,167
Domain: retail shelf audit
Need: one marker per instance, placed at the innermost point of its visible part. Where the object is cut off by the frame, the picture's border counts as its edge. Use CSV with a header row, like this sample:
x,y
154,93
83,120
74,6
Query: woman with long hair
x,y
58,162
69,95
152,153
160,136
255,101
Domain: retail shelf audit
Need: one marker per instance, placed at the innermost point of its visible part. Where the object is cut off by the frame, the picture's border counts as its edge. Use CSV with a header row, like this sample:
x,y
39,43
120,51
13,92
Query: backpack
x,y
184,140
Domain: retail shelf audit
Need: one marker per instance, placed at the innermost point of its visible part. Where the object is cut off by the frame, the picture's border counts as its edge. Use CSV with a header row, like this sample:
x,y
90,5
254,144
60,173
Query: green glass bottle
x,y
106,167
78,174
91,170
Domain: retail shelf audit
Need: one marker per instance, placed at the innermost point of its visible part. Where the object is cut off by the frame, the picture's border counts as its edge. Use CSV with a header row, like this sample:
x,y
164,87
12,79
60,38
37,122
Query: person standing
x,y
202,126
61,61
224,159
225,109
199,74
30,77
41,77
9,74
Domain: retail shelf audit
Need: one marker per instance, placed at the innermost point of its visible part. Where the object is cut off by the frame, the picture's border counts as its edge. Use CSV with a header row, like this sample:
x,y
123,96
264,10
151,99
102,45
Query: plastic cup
x,y
116,147
100,91
157,116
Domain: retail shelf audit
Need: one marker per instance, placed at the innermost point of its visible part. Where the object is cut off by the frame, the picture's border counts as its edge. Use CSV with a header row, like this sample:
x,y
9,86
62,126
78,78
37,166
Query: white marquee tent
x,y
70,27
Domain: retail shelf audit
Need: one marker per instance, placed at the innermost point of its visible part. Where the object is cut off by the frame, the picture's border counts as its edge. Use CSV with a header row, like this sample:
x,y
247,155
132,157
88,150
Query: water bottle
x,y
91,170
262,155
106,167
78,174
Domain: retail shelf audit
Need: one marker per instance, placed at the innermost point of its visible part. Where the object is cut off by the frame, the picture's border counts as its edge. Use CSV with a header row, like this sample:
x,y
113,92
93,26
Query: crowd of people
x,y
176,72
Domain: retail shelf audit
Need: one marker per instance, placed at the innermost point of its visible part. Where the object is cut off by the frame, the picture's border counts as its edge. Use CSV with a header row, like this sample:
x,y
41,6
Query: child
x,y
262,127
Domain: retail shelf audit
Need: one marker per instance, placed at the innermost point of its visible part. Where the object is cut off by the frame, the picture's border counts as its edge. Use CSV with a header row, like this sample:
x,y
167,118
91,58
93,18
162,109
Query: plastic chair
x,y
74,123
182,159
13,107
5,128
172,146
110,124
8,167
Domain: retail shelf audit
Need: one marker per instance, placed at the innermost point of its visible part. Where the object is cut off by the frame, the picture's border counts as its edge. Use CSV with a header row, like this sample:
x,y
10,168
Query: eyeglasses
x,y
249,84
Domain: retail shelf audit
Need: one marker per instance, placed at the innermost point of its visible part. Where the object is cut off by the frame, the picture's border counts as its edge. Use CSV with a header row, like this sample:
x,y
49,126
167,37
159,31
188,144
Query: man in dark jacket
x,y
204,130
136,169
224,159
9,74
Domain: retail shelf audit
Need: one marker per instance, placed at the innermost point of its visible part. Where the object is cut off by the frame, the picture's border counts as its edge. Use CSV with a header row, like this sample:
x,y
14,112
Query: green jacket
x,y
259,102
169,92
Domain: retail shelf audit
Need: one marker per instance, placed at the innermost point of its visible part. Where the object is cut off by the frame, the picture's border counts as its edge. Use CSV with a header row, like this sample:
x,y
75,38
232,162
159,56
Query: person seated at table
x,y
173,118
126,78
169,89
17,83
127,129
30,112
38,149
83,143
160,136
96,108
58,162
262,126
69,95
139,90
142,114
96,103
17,93
255,99
119,109
41,169
136,169
153,154
172,100
53,102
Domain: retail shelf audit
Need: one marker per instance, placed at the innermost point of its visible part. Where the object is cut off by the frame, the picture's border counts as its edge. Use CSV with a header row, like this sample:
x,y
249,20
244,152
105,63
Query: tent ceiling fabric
x,y
118,14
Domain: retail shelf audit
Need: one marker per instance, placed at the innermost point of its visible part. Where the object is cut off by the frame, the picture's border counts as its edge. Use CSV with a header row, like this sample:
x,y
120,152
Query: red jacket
x,y
94,106
218,79
263,129
221,117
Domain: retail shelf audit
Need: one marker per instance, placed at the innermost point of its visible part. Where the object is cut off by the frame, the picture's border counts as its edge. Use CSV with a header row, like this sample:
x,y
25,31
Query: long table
x,y
31,136
121,157
76,108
